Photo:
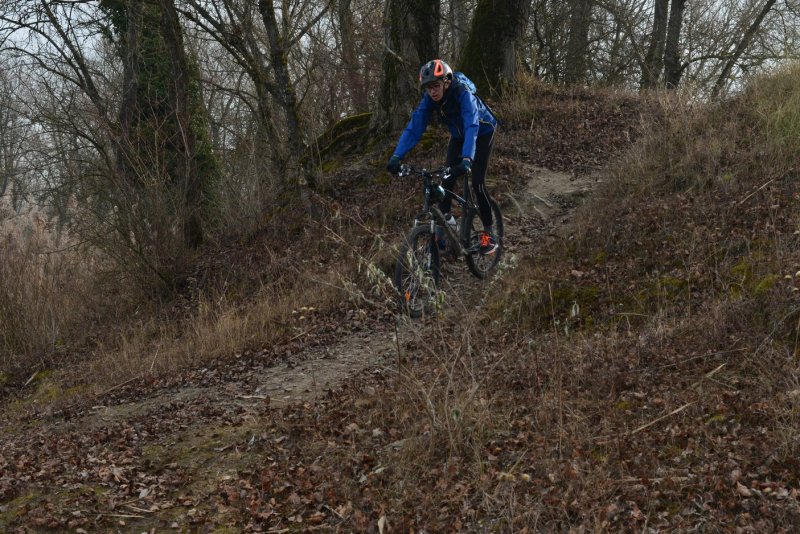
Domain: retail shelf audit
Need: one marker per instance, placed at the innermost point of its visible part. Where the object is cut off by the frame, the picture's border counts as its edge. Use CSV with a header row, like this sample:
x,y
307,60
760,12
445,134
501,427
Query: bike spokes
x,y
479,263
417,273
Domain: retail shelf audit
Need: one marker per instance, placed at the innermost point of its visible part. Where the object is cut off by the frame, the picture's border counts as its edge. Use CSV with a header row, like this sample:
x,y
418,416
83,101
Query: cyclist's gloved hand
x,y
462,168
394,165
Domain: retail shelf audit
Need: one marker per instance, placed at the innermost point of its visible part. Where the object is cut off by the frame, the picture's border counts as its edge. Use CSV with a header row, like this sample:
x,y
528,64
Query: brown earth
x,y
121,462
305,435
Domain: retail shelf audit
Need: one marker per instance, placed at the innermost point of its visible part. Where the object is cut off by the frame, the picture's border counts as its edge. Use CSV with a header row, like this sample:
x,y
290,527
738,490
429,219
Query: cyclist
x,y
471,126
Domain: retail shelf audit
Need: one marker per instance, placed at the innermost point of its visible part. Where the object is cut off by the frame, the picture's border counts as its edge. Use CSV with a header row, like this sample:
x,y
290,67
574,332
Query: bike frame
x,y
432,212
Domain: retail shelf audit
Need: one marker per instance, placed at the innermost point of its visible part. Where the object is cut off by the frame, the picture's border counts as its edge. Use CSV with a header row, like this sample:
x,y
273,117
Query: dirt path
x,y
305,377
190,435
543,205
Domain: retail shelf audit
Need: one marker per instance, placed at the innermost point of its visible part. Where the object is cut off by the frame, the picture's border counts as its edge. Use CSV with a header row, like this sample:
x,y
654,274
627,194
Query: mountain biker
x,y
471,126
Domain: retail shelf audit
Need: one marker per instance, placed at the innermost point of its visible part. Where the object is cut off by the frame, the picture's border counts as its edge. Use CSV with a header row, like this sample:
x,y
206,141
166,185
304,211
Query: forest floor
x,y
171,453
586,386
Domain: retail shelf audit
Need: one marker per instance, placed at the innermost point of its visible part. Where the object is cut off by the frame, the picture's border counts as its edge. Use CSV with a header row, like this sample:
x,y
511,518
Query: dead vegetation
x,y
635,370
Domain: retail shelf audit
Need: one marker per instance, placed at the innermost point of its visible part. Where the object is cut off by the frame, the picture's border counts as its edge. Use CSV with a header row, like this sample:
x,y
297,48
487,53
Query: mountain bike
x,y
417,271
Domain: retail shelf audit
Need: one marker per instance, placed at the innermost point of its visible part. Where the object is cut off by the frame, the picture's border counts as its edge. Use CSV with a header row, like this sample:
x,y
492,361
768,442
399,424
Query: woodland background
x,y
133,134
194,212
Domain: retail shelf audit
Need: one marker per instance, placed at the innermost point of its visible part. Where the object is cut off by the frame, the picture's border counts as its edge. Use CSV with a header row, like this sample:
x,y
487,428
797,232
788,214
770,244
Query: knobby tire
x,y
479,264
416,274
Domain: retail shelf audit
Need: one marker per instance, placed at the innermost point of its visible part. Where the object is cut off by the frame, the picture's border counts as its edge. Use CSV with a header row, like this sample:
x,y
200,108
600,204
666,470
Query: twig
x,y
712,373
543,201
112,388
137,509
675,364
648,425
723,384
397,343
34,375
301,334
653,480
514,200
654,421
708,375
395,54
540,212
153,363
334,511
583,190
756,191
258,397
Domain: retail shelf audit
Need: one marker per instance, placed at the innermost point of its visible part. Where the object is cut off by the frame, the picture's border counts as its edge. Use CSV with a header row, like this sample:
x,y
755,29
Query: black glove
x,y
461,169
394,165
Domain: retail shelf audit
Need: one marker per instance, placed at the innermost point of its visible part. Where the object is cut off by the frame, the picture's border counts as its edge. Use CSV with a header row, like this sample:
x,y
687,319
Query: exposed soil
x,y
267,440
102,457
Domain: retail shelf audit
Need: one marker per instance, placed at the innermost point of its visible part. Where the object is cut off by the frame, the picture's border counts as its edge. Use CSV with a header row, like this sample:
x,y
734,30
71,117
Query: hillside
x,y
631,366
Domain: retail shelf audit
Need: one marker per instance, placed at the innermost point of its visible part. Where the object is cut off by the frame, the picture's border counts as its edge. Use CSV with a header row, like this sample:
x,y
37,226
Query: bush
x,y
38,297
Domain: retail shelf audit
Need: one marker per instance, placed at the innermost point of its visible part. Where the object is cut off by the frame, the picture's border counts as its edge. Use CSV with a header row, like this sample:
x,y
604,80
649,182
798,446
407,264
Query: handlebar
x,y
408,170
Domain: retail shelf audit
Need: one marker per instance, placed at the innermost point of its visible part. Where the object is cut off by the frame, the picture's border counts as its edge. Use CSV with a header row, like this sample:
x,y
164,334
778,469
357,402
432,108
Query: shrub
x,y
38,296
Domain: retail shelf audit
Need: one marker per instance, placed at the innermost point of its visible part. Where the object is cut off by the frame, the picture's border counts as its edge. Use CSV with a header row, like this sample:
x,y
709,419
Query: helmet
x,y
434,70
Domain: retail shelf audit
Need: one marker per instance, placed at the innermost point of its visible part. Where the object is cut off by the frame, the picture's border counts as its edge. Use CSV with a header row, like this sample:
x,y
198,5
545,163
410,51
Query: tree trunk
x,y
8,155
459,29
411,38
353,70
195,169
654,60
672,54
285,96
163,125
491,53
578,43
747,38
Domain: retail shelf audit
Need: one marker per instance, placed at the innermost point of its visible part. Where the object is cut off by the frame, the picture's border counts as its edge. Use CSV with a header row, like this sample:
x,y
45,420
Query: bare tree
x,y
654,60
491,55
458,18
578,44
11,136
233,24
743,44
284,92
163,125
350,57
143,175
548,33
411,38
673,68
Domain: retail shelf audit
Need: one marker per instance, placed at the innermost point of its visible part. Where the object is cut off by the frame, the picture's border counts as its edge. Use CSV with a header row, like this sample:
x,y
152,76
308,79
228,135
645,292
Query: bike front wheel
x,y
416,275
481,264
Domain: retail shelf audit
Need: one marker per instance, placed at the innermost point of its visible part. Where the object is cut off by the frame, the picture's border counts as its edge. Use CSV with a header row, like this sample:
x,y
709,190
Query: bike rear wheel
x,y
416,275
479,264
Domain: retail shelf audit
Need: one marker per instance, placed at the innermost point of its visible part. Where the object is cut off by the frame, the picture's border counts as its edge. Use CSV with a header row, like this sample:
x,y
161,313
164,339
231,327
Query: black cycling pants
x,y
483,148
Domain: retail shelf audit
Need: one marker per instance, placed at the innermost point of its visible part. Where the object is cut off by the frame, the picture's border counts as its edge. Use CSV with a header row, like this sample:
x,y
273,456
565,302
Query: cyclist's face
x,y
436,89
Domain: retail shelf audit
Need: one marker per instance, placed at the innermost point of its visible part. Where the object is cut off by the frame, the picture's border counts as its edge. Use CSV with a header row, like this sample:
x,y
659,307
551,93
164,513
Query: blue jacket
x,y
465,115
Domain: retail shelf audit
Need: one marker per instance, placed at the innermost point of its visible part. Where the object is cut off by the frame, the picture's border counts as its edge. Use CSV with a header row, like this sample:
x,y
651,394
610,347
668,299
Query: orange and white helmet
x,y
434,70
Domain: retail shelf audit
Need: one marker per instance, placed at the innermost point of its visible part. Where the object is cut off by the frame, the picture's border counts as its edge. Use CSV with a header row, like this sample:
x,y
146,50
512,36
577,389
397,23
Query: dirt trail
x,y
548,195
186,427
541,205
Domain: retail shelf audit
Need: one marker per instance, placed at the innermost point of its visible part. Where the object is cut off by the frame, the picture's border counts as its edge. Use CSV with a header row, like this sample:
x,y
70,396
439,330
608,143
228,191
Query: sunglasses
x,y
434,86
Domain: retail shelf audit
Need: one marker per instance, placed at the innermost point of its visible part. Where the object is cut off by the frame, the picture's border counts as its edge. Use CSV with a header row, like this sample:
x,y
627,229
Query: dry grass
x,y
665,336
216,330
625,379
42,288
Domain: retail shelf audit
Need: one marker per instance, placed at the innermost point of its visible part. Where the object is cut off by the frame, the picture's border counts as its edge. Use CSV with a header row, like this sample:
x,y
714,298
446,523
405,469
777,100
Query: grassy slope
x,y
641,371
637,371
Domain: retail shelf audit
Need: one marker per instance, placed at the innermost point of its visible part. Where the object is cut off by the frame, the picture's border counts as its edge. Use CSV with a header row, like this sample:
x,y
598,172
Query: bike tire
x,y
416,274
481,265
